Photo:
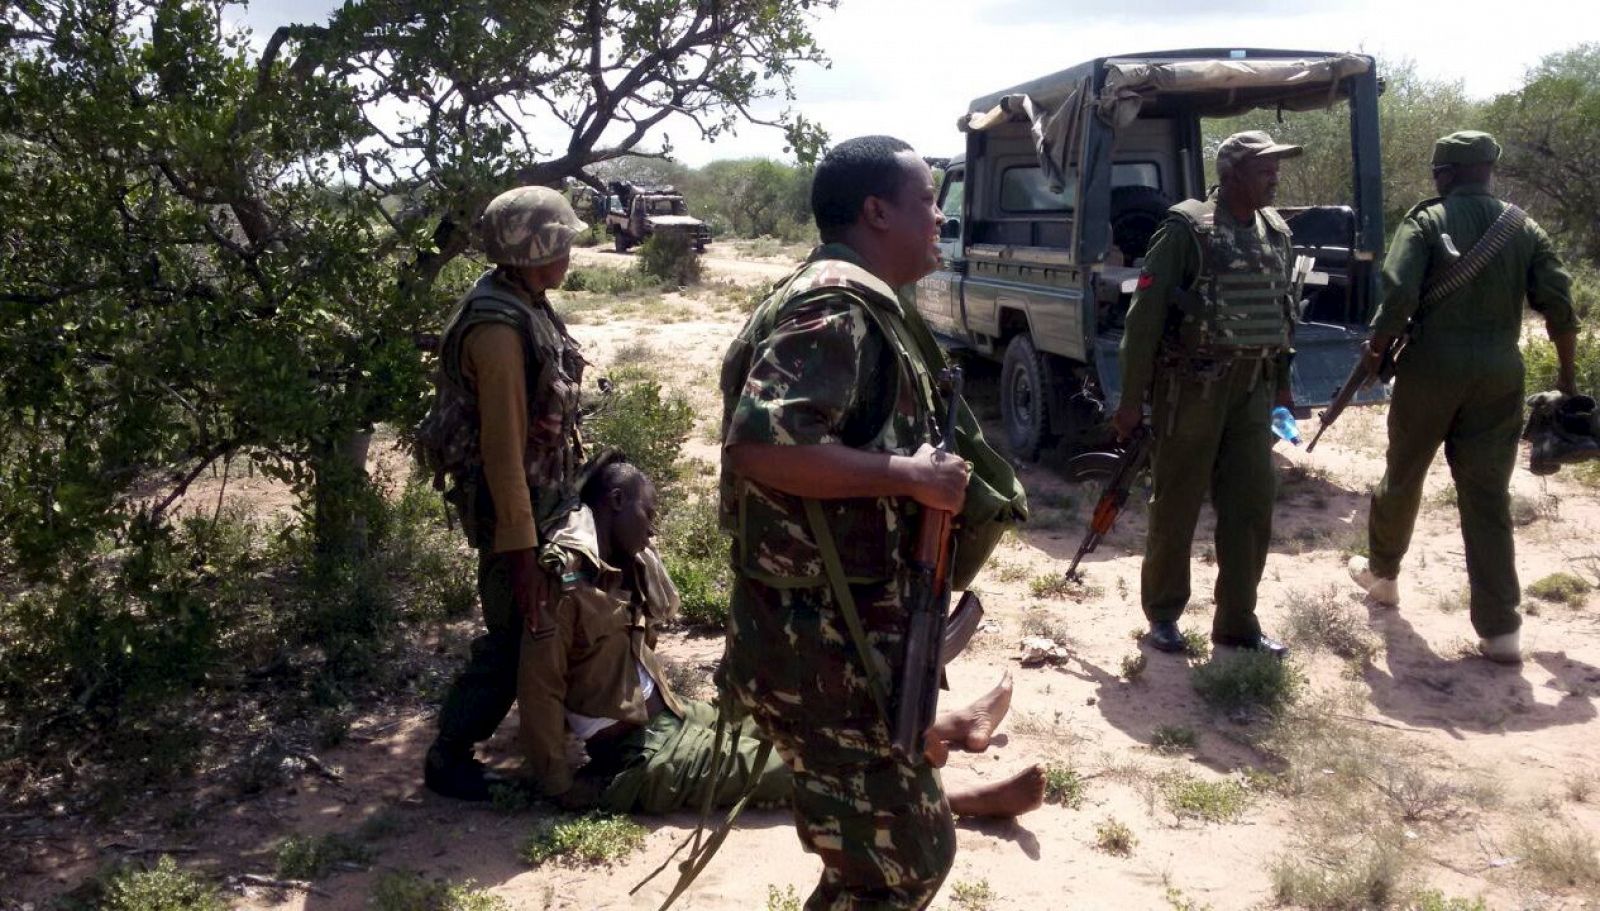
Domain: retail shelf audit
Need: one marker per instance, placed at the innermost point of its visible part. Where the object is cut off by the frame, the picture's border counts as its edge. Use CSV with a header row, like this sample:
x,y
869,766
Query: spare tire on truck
x,y
1136,212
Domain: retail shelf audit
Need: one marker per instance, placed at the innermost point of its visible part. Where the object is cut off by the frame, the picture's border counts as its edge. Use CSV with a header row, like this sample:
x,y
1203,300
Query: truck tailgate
x,y
1324,354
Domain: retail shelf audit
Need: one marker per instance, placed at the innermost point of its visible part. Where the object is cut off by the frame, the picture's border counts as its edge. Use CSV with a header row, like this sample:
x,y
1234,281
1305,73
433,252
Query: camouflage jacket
x,y
448,438
825,359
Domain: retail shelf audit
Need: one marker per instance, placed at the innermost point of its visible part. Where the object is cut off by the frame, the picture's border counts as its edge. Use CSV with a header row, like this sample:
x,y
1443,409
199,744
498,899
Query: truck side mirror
x,y
950,230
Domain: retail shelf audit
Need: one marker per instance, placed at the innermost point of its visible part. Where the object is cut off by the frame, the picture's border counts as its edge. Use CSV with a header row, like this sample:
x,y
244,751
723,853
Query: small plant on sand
x,y
1434,900
1173,738
407,891
1580,787
1063,785
1177,901
1558,856
163,887
1196,798
787,900
1197,643
1133,665
312,857
1248,683
1057,585
1114,837
1370,872
1321,622
592,839
970,896
1561,588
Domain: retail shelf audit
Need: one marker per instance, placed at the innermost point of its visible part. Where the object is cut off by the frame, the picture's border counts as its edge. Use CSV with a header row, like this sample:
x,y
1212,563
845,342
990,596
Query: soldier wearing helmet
x,y
504,430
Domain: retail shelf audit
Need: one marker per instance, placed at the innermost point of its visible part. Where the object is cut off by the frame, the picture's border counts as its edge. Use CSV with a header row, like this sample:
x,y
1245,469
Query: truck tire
x,y
1026,383
620,242
1136,213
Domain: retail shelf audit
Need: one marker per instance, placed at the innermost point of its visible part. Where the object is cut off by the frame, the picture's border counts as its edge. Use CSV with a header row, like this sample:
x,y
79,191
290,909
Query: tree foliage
x,y
1550,130
210,251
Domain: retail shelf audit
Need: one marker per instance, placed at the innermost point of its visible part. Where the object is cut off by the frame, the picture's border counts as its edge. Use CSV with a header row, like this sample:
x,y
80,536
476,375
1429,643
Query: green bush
x,y
1196,798
670,257
592,839
311,857
407,891
696,555
162,888
1064,786
603,280
644,422
1247,683
1561,588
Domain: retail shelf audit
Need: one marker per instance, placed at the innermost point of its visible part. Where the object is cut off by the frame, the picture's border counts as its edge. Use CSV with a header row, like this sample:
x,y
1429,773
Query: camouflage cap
x,y
528,226
1251,144
1466,147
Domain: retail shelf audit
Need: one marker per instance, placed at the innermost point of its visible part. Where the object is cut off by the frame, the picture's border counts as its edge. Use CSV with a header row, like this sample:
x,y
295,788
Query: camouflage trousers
x,y
881,826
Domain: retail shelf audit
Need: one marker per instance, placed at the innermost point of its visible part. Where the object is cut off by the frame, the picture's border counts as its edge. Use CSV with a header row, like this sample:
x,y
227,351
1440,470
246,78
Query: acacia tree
x,y
211,251
1551,131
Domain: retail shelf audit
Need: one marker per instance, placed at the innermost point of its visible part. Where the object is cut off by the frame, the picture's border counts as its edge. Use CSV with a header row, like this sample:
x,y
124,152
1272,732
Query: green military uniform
x,y
1459,381
1207,334
597,666
824,361
484,691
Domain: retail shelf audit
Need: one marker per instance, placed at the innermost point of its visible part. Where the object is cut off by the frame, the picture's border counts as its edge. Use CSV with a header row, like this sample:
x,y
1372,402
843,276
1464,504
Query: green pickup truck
x,y
1064,180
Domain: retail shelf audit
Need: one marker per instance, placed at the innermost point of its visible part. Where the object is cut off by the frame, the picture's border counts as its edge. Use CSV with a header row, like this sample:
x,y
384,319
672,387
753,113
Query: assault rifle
x,y
1135,455
1361,376
917,690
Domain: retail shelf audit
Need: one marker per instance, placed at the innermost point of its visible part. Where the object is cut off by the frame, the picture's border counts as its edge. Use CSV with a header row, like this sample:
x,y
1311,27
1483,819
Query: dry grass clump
x,y
1557,857
1370,871
1324,622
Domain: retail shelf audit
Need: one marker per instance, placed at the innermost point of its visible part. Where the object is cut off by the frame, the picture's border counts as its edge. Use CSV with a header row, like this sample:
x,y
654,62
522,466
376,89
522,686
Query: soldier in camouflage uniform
x,y
1207,337
1459,380
825,403
504,430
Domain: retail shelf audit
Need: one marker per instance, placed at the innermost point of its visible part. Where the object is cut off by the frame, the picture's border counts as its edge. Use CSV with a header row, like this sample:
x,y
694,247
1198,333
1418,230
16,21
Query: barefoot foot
x,y
973,725
1019,794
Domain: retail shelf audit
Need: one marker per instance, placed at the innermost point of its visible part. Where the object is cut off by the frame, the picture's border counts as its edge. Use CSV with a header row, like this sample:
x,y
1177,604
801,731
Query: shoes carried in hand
x,y
1563,429
1384,591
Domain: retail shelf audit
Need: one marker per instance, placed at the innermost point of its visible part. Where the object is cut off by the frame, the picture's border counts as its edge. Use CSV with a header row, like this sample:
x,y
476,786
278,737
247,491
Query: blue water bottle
x,y
1285,426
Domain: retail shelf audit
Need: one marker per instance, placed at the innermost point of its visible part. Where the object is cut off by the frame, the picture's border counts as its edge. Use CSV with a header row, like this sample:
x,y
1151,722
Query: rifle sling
x,y
847,607
1456,275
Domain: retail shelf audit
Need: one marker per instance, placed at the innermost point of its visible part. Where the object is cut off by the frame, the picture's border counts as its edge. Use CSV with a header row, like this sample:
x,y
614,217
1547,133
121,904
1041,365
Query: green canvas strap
x,y
700,854
847,606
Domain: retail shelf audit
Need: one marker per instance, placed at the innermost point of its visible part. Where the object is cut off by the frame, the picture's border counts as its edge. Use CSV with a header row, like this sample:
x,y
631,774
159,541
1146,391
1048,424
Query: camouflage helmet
x,y
528,226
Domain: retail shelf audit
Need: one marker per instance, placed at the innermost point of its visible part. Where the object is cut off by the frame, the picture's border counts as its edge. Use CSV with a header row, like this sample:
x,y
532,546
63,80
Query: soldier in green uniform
x,y
1207,338
829,416
1459,380
504,429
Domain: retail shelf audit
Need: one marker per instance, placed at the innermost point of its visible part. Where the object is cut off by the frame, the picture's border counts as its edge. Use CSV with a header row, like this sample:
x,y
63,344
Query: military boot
x,y
456,773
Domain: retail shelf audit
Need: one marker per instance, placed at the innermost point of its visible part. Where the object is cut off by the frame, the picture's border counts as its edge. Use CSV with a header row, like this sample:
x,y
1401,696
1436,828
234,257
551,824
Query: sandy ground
x,y
1523,735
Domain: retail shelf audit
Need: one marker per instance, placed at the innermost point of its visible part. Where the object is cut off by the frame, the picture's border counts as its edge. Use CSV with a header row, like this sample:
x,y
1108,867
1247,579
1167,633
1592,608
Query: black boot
x,y
1164,636
457,774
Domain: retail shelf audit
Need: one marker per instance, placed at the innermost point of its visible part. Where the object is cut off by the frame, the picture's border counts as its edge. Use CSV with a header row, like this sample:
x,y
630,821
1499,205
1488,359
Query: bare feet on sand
x,y
973,725
1019,794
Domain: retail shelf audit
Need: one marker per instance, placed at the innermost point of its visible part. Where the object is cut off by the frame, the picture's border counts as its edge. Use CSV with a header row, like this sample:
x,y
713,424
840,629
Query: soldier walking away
x,y
504,429
828,419
1459,377
1208,338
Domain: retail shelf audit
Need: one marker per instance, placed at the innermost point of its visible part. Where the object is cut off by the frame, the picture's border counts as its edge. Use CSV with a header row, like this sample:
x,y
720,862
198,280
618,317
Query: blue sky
x,y
908,67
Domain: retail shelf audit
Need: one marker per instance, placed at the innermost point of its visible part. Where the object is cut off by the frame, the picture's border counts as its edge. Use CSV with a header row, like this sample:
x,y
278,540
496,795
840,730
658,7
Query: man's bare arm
x,y
1566,360
833,472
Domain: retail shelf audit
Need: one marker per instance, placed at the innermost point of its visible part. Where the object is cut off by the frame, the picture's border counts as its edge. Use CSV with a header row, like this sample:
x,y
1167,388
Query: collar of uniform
x,y
1224,215
845,253
577,536
516,288
1470,189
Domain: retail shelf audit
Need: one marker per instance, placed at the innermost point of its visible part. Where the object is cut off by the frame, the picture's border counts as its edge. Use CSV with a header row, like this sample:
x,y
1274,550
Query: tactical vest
x,y
448,439
1239,303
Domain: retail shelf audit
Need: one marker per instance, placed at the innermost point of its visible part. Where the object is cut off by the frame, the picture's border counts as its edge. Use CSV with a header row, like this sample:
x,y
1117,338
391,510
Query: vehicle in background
x,y
635,214
1062,184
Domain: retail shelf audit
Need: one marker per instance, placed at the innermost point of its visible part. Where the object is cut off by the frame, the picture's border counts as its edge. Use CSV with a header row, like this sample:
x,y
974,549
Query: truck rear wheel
x,y
1026,383
620,242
